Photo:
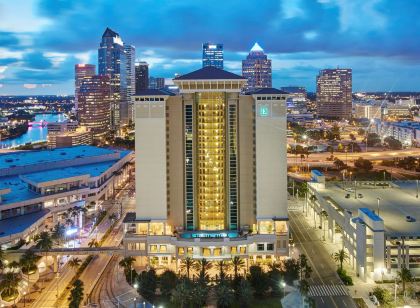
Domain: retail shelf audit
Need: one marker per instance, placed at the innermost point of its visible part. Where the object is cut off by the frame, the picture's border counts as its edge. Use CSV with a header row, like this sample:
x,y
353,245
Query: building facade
x,y
218,160
94,106
112,62
256,69
80,136
81,71
156,82
142,76
213,55
334,93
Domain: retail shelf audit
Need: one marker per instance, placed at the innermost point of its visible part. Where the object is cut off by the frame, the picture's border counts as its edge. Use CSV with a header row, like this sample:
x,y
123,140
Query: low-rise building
x,y
35,185
407,132
80,136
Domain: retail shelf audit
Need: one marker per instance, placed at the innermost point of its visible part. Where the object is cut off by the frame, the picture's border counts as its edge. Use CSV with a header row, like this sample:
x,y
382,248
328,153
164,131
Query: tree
x,y
75,262
76,294
202,266
127,265
168,281
238,264
363,164
182,294
2,259
304,269
373,139
258,280
200,292
186,265
340,257
28,262
58,232
9,286
222,267
93,243
147,285
224,294
275,276
405,276
361,132
44,242
244,293
383,295
14,265
393,143
339,164
290,270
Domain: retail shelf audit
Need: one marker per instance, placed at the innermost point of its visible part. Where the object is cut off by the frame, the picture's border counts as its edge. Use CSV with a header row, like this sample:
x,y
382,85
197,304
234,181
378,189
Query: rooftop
x,y
210,73
19,224
267,91
395,204
153,92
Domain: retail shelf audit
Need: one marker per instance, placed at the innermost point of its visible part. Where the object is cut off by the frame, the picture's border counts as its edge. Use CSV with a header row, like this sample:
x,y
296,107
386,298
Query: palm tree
x,y
238,264
75,262
203,266
2,259
45,243
13,265
9,285
405,276
222,266
76,294
340,257
93,243
186,265
28,262
127,264
58,232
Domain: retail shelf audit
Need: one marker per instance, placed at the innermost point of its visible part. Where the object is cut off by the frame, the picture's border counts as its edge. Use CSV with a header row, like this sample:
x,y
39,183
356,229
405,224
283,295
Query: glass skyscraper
x,y
112,62
81,71
213,55
256,68
142,76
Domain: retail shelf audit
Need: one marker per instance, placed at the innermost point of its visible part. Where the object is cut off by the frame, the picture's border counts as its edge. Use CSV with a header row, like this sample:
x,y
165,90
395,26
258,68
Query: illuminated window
x,y
206,252
162,248
190,251
242,250
153,248
234,250
217,251
181,251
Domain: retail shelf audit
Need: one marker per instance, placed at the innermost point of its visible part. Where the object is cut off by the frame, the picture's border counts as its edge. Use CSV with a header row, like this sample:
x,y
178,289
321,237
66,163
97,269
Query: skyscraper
x,y
81,71
256,68
334,93
130,54
142,76
113,63
213,55
94,97
156,82
211,168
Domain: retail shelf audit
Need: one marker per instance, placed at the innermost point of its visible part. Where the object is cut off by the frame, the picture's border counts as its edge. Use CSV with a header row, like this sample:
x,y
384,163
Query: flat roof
x,y
18,190
395,204
24,158
18,224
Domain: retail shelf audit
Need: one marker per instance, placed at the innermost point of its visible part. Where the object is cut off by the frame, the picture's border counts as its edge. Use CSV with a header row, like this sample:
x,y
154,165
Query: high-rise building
x,y
130,54
256,68
156,83
81,71
334,93
213,55
142,76
113,63
94,97
211,172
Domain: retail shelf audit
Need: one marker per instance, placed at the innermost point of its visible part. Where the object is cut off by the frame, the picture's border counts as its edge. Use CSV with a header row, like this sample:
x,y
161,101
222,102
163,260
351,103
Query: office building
x,y
142,76
80,136
210,172
375,223
213,55
94,106
256,69
295,91
130,54
367,111
61,127
81,71
156,83
112,62
334,93
36,185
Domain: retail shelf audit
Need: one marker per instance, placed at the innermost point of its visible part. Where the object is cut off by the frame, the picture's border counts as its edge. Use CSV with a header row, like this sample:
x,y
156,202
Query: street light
x,y
283,284
378,199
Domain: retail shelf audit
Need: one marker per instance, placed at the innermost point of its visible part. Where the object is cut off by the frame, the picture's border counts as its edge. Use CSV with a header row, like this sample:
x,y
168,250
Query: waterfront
x,y
35,133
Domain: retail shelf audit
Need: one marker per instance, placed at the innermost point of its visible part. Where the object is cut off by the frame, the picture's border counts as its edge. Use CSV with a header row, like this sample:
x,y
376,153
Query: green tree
x,y
383,295
404,275
44,243
76,294
339,164
304,287
238,264
393,143
200,292
127,265
202,266
147,285
304,269
275,276
187,265
341,256
2,259
224,294
182,294
9,286
58,233
167,281
361,132
244,293
258,280
290,270
373,139
363,164
222,266
93,243
75,262
28,262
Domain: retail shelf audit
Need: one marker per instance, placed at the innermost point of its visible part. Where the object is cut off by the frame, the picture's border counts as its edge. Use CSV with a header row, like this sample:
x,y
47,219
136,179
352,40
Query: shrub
x,y
346,279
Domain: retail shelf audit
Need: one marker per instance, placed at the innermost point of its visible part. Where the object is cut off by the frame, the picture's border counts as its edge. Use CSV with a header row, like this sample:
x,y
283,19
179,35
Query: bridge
x,y
38,123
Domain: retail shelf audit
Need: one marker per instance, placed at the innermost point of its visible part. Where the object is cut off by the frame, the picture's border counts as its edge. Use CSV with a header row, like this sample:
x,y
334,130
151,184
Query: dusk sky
x,y
41,40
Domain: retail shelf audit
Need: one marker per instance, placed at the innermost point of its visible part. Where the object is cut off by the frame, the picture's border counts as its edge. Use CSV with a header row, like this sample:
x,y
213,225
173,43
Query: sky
x,y
41,40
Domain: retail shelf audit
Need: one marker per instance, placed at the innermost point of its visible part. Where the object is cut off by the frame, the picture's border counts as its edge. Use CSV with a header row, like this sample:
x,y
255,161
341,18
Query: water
x,y
36,133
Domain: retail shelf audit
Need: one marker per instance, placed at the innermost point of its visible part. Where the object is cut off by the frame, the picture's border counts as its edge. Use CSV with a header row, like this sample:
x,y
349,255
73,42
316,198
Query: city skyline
x,y
38,56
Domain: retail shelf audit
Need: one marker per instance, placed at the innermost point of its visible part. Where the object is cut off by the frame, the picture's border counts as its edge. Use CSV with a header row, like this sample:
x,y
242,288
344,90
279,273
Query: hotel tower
x,y
211,172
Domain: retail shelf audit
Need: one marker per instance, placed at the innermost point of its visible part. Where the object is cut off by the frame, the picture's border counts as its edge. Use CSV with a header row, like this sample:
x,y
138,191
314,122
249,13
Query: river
x,y
36,133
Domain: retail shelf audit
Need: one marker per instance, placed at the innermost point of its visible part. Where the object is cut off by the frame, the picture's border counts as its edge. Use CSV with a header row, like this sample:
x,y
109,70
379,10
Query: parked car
x,y
410,219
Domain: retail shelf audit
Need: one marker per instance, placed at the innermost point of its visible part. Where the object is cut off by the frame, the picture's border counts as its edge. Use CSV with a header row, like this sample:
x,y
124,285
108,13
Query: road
x,y
325,286
48,297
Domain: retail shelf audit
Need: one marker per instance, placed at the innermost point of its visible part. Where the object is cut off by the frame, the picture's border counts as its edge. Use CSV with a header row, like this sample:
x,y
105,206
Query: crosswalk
x,y
328,290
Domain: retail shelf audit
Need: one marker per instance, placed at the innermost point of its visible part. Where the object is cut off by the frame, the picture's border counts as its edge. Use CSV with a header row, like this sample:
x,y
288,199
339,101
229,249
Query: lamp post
x,y
395,292
378,199
417,190
283,284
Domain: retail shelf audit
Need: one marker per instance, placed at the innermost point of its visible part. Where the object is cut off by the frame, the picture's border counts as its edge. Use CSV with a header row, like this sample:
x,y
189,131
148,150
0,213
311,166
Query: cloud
x,y
36,60
30,85
1,85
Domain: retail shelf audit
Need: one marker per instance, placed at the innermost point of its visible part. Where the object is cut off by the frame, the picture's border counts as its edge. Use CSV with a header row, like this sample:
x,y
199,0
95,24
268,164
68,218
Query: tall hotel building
x,y
334,93
213,55
112,62
81,71
142,76
210,172
94,111
256,69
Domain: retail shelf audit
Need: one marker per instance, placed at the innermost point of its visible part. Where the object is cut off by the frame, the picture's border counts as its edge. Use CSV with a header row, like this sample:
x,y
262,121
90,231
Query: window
x,y
162,248
190,251
181,251
270,247
260,247
242,250
233,250
217,251
142,246
206,252
153,248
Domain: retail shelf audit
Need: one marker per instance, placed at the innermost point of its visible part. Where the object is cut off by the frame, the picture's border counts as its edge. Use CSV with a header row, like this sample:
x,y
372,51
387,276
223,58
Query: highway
x,y
325,287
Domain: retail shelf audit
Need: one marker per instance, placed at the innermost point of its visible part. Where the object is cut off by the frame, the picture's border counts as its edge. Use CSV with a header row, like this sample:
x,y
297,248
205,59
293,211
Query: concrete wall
x,y
151,199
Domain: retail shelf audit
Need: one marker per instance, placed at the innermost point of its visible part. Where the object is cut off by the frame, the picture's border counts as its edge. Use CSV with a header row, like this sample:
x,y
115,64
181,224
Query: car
x,y
374,300
359,196
410,219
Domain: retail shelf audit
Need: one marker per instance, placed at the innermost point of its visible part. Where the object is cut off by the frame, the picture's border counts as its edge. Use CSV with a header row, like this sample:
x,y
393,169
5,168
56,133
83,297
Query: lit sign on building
x,y
264,111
